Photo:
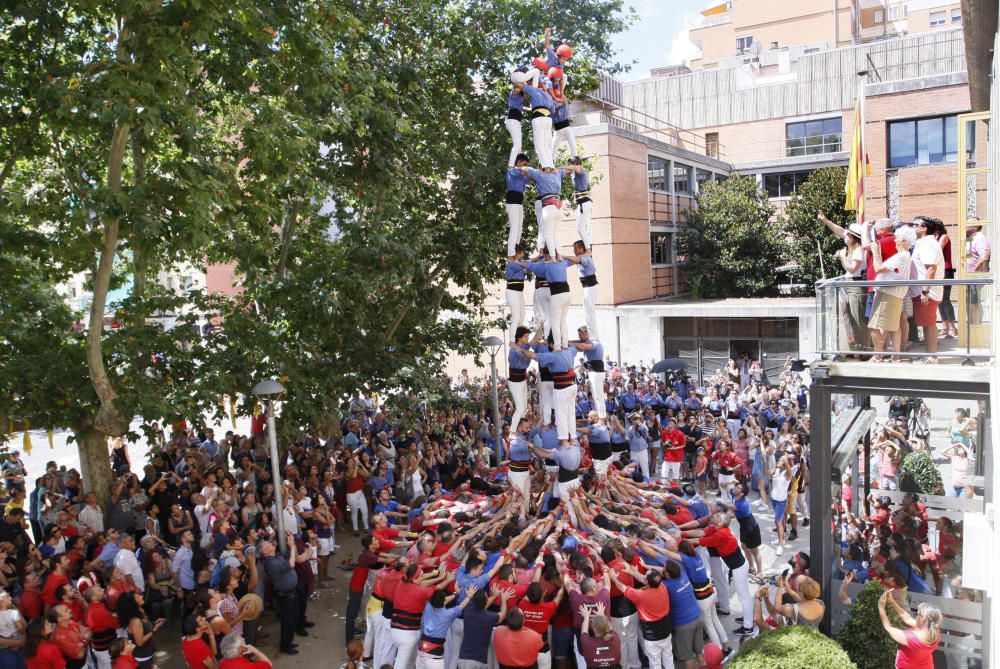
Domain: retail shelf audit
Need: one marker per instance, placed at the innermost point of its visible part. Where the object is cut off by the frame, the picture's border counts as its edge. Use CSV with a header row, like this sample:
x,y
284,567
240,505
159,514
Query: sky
x,y
659,37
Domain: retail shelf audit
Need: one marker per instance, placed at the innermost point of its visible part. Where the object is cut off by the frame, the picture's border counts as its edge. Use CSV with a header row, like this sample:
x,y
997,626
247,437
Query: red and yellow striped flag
x,y
855,187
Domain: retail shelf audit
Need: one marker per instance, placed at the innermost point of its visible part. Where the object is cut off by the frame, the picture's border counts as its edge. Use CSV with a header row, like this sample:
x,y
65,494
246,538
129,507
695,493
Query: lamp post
x,y
270,390
493,345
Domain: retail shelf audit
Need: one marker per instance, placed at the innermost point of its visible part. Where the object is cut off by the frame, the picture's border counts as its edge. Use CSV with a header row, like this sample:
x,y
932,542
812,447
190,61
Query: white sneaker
x,y
780,551
775,542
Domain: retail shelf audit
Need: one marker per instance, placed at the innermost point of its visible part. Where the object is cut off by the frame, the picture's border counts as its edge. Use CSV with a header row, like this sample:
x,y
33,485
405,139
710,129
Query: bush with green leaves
x,y
918,473
861,634
822,192
793,647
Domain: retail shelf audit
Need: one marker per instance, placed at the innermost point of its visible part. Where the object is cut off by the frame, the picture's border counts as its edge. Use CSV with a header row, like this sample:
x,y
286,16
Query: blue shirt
x,y
695,569
517,180
637,438
437,622
558,362
629,400
684,608
568,458
587,267
547,183
581,182
596,353
515,101
538,97
551,59
478,634
599,434
515,272
548,438
652,400
182,567
463,580
673,403
561,112
391,506
697,506
556,270
517,360
519,449
108,554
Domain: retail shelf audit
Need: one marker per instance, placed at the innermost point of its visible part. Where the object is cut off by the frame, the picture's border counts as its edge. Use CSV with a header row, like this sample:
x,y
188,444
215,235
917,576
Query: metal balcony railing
x,y
843,310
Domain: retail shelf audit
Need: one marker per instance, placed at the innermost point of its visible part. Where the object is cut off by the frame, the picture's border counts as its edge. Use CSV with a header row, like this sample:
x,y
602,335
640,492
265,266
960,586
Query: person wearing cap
x,y
638,443
852,259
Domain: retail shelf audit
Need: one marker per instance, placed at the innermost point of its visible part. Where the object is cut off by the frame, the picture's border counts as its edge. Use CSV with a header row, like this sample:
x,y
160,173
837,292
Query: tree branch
x,y
288,230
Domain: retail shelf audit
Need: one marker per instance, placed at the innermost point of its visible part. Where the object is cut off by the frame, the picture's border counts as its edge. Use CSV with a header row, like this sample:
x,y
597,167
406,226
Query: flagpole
x,y
863,162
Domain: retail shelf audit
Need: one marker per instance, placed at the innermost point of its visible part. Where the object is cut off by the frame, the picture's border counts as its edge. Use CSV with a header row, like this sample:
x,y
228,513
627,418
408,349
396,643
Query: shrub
x,y
861,634
918,473
793,647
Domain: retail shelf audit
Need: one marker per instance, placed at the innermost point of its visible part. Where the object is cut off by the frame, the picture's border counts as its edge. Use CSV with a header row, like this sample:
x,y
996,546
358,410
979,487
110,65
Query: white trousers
x,y
564,400
710,621
741,582
540,305
521,481
671,471
99,658
428,661
590,310
357,502
385,650
514,128
539,239
519,393
659,653
558,314
406,642
515,300
454,644
583,212
566,489
601,468
564,135
515,223
545,660
541,136
546,396
628,635
547,229
642,459
720,579
597,386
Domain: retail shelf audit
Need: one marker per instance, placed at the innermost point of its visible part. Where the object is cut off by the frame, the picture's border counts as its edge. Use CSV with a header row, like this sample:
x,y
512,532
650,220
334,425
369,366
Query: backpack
x,y
220,564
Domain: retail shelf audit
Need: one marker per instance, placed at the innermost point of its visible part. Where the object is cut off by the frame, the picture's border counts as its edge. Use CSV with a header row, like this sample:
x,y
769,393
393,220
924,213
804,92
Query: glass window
x,y
712,144
879,17
661,248
657,171
923,142
893,13
743,43
679,327
682,178
939,18
771,185
956,16
784,184
701,176
813,137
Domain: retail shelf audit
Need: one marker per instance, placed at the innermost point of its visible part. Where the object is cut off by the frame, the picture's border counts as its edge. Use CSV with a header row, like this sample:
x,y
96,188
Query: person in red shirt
x,y
728,462
674,442
653,606
238,654
623,614
30,603
368,560
69,636
538,614
40,653
515,645
102,623
505,579
384,591
717,535
386,533
411,596
121,654
198,644
59,576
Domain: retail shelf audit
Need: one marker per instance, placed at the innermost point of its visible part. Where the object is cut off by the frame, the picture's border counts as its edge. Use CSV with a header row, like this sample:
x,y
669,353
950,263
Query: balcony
x,y
842,332
713,20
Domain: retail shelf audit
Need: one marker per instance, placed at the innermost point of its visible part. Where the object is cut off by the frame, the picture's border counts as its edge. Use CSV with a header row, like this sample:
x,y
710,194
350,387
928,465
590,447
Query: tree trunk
x,y
287,232
95,464
110,419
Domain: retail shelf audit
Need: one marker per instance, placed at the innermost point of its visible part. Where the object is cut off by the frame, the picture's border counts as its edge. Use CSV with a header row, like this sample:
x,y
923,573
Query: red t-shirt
x,y
385,537
243,663
652,603
46,657
519,590
52,584
682,516
887,247
880,517
516,649
618,566
673,445
721,539
537,616
31,604
408,604
729,460
366,561
125,662
196,651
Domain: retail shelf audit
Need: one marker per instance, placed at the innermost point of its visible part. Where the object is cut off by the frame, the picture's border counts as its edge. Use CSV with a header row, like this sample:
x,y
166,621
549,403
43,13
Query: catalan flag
x,y
855,187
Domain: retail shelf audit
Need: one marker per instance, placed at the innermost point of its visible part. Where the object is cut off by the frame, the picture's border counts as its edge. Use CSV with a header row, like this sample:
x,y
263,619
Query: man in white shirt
x,y
978,260
929,262
128,564
92,516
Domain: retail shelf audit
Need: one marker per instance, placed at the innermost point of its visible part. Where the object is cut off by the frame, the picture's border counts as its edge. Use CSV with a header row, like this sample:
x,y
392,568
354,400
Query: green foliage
x,y
792,647
822,192
918,473
730,246
861,633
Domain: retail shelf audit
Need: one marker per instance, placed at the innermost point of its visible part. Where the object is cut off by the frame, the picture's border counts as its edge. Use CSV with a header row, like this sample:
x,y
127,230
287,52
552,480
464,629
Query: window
x,y
939,18
712,144
879,17
657,170
806,138
923,141
784,184
956,16
743,43
661,248
682,178
893,13
701,176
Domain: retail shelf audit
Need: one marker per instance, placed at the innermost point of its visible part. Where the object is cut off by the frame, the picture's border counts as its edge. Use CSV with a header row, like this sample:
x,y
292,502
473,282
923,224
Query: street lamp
x,y
269,391
493,345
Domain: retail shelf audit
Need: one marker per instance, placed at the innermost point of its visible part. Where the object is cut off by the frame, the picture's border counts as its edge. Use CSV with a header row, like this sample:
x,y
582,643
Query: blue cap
x,y
570,543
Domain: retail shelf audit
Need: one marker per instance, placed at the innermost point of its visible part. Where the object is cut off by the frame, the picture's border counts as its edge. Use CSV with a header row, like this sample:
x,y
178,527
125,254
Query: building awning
x,y
750,307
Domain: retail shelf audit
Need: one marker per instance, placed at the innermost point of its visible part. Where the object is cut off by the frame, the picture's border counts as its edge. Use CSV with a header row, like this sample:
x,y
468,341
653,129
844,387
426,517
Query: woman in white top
x,y
852,259
781,479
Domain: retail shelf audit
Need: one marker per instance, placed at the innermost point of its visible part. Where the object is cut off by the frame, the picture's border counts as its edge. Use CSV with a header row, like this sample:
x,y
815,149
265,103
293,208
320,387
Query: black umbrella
x,y
668,365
